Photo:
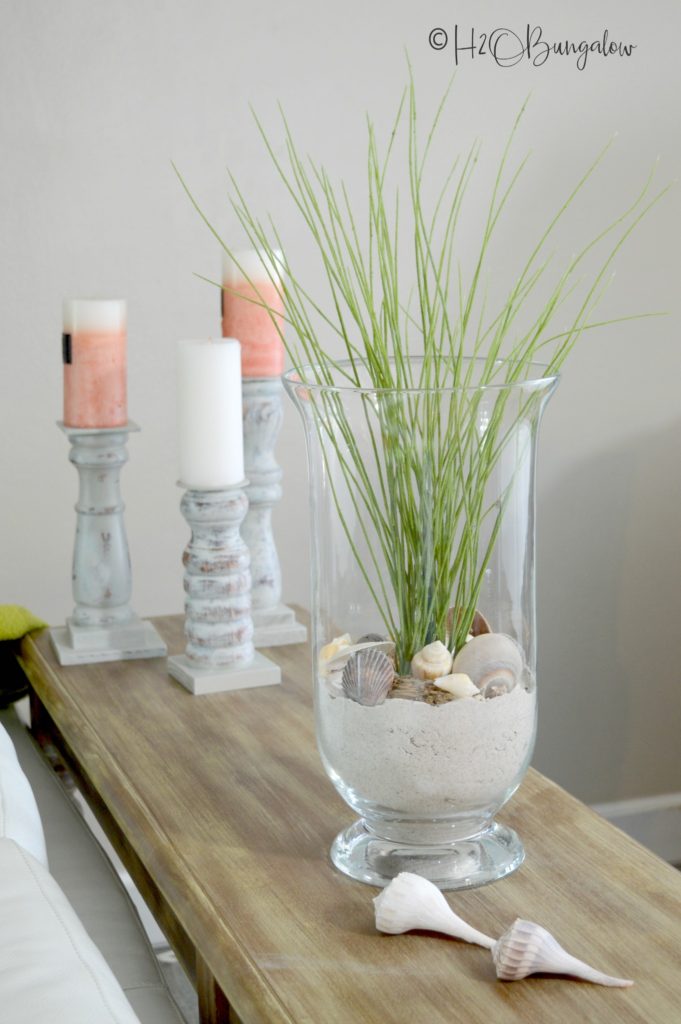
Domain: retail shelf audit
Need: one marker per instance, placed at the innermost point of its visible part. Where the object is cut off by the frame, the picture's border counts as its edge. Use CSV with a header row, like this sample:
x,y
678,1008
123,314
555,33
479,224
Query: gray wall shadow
x,y
609,622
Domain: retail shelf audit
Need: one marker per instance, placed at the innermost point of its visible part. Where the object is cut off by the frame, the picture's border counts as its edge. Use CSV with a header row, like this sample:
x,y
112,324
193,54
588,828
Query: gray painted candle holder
x,y
103,626
220,654
275,623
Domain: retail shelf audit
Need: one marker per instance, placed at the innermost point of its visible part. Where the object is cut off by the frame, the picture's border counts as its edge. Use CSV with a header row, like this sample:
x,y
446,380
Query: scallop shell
x,y
411,902
493,661
368,676
371,638
527,948
432,662
458,684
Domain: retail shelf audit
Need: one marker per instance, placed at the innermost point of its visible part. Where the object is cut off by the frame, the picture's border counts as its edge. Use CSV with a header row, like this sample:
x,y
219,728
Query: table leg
x,y
213,1005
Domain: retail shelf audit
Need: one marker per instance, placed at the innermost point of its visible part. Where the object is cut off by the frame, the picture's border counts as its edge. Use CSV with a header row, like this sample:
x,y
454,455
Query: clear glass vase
x,y
423,611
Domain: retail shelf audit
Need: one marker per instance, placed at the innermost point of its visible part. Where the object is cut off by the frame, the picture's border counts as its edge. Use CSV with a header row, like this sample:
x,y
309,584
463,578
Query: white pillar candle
x,y
209,413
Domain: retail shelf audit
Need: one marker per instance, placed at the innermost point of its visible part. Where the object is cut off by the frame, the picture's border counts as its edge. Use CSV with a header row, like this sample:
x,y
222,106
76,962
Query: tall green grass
x,y
418,490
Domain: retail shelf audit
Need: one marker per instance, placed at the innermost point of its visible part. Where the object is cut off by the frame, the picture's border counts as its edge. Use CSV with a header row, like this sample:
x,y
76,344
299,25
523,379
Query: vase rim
x,y
539,378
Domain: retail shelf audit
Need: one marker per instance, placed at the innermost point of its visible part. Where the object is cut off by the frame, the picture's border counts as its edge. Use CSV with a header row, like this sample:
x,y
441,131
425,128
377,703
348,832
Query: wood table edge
x,y
249,989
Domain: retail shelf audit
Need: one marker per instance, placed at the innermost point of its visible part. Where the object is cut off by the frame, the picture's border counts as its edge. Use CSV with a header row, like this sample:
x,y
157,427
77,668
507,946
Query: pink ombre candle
x,y
95,363
262,351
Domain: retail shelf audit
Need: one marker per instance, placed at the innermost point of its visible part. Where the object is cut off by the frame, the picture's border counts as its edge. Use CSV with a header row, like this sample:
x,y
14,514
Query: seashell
x,y
332,649
527,948
339,659
432,662
411,902
479,624
407,688
493,661
458,684
371,638
368,676
498,685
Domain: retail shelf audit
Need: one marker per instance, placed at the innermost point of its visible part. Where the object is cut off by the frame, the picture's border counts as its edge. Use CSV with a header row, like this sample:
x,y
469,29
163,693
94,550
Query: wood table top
x,y
224,800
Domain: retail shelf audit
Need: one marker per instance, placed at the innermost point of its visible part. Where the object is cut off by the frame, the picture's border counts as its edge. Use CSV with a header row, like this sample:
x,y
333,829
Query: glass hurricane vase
x,y
423,611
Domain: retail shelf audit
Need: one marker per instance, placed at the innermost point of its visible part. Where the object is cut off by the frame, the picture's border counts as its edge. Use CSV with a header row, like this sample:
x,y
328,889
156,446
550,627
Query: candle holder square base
x,y
200,679
86,645
277,626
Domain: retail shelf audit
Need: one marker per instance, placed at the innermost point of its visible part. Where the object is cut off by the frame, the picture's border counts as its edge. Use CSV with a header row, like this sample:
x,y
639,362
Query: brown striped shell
x,y
368,676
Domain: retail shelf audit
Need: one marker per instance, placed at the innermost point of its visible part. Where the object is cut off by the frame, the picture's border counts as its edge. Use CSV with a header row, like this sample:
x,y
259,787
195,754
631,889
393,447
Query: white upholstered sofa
x,y
72,949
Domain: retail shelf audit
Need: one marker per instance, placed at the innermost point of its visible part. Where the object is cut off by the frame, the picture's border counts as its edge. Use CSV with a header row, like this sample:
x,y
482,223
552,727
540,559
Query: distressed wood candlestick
x,y
103,626
220,654
274,623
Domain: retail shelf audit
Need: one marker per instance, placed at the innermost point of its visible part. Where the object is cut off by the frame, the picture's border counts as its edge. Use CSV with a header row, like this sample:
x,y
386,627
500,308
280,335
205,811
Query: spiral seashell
x,y
527,948
412,902
458,684
368,676
493,661
432,662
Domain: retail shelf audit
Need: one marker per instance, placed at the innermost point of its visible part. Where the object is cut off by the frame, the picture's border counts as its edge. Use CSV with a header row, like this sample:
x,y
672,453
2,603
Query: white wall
x,y
96,100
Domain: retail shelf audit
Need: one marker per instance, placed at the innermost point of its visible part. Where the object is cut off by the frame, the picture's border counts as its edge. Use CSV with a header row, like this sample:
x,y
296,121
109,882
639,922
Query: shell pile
x,y
368,676
411,903
488,665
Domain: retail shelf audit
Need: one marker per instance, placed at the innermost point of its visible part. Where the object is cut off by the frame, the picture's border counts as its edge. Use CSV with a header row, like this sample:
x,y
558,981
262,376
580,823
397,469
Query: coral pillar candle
x,y
250,282
209,413
95,363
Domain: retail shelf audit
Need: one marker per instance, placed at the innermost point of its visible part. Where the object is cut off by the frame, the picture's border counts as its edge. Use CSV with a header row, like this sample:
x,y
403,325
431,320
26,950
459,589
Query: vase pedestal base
x,y
463,864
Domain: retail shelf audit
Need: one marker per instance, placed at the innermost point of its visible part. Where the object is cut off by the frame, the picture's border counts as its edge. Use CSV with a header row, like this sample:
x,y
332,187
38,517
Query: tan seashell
x,y
368,677
493,661
458,684
527,948
412,902
338,661
331,650
432,662
479,624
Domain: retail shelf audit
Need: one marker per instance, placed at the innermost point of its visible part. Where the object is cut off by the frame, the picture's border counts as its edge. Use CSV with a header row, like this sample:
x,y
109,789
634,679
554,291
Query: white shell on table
x,y
368,676
527,948
493,661
458,684
411,902
432,662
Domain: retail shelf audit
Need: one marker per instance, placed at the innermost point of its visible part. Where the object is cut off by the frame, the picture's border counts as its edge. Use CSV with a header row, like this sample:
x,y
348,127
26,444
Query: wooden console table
x,y
220,809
